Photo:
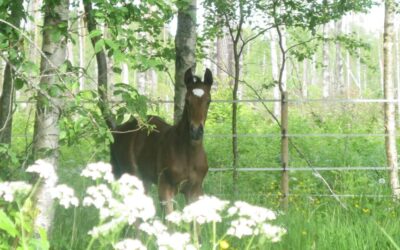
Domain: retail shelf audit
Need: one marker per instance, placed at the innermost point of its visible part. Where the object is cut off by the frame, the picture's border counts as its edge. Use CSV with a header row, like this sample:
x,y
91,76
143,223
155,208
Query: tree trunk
x,y
102,69
339,83
141,82
125,73
325,63
8,89
390,115
304,87
275,75
48,108
81,39
185,47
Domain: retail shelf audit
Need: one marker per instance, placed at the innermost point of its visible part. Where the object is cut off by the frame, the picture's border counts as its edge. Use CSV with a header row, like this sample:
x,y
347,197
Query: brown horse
x,y
171,156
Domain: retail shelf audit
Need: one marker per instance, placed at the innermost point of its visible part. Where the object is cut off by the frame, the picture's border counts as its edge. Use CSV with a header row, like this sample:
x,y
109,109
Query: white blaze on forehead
x,y
198,92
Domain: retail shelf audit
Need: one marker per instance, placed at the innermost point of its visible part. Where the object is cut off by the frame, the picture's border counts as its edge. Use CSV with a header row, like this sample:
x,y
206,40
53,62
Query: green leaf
x,y
95,33
99,46
7,224
19,83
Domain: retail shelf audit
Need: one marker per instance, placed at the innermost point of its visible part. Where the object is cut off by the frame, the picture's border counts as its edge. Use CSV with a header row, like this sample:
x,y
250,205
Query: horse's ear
x,y
188,78
208,78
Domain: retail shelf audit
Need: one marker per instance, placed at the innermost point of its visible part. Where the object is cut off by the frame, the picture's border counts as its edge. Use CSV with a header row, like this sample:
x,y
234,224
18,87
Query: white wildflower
x,y
206,209
155,228
258,214
129,244
97,171
176,241
44,169
8,190
381,181
174,217
138,206
100,197
106,227
65,194
242,227
274,233
129,183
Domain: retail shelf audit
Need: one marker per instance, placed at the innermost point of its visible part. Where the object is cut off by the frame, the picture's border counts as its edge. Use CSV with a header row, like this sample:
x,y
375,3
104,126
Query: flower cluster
x,y
129,244
124,202
8,190
65,195
45,170
205,210
252,220
97,171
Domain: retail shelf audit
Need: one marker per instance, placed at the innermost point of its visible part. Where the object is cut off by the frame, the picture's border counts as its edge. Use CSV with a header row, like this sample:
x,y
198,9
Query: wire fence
x,y
293,135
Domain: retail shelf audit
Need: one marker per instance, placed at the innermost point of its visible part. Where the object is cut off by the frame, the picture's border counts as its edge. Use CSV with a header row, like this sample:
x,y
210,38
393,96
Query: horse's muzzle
x,y
196,133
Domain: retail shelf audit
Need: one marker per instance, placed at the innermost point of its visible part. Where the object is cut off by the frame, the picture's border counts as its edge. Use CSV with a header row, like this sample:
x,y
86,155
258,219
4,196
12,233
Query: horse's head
x,y
197,100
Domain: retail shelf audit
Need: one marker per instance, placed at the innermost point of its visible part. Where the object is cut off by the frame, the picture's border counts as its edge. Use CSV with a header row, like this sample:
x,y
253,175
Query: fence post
x,y
284,151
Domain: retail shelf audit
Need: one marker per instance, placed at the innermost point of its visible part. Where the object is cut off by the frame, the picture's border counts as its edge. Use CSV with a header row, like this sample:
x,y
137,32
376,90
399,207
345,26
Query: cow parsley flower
x,y
176,241
65,195
44,169
129,244
106,227
97,171
258,214
242,227
274,233
8,190
129,183
206,209
174,217
153,229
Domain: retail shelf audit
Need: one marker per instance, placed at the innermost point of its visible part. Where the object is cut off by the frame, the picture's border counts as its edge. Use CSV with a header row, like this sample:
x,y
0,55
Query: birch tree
x,y
325,63
185,47
49,104
390,115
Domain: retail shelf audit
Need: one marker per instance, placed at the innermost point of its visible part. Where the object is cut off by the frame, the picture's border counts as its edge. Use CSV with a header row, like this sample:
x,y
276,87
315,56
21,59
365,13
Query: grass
x,y
312,221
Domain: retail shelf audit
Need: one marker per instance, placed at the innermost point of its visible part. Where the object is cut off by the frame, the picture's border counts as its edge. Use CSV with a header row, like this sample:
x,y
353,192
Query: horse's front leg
x,y
166,193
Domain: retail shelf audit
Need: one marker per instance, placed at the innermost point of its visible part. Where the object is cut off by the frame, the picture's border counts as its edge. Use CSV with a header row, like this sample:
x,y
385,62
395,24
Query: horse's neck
x,y
182,129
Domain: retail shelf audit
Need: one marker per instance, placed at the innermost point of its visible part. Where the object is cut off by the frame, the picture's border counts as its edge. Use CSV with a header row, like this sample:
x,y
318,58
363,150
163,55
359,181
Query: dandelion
x,y
129,244
65,195
206,209
97,171
8,190
44,169
223,244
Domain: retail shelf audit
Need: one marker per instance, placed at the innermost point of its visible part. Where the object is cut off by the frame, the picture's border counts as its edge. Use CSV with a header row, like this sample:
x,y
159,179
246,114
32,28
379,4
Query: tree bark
x,y
325,64
8,89
82,44
275,75
390,115
339,82
48,108
185,47
102,68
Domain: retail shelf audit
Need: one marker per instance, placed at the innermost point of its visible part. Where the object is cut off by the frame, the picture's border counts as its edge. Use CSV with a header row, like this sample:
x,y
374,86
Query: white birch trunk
x,y
390,111
141,82
81,41
325,64
125,73
304,90
275,74
313,70
46,135
339,81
